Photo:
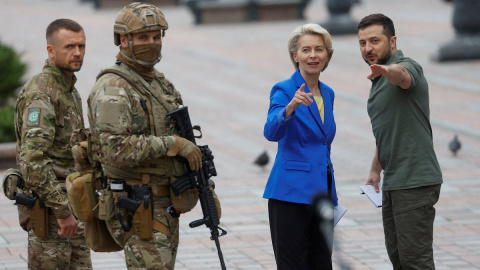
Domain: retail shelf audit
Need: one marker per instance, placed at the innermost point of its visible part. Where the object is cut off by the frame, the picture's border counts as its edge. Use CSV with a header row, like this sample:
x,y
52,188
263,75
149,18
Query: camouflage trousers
x,y
158,253
58,252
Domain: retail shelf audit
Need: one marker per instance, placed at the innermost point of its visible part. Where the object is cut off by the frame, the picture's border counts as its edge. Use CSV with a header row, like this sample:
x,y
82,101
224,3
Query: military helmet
x,y
138,17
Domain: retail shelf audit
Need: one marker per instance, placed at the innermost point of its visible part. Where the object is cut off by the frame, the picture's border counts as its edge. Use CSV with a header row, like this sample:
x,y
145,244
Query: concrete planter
x,y
238,11
466,44
119,4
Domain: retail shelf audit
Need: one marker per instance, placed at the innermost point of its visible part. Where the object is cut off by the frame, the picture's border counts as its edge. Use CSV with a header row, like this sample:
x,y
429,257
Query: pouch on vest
x,y
99,238
106,205
186,201
83,184
80,156
79,142
81,189
87,207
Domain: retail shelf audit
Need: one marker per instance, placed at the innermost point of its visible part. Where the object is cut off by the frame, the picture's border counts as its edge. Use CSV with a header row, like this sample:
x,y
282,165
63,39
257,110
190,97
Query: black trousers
x,y
297,241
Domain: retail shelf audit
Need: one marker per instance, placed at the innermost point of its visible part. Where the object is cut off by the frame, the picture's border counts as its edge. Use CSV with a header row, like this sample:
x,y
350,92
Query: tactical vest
x,y
159,100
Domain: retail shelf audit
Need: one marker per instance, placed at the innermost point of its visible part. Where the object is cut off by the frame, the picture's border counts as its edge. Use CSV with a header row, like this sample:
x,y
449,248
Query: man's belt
x,y
157,190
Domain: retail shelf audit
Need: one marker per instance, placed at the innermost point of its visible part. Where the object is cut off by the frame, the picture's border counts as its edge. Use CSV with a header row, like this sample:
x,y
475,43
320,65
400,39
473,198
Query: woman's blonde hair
x,y
309,29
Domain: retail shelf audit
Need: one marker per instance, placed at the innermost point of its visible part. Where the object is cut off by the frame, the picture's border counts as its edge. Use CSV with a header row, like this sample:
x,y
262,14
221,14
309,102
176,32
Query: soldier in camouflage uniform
x,y
134,141
48,109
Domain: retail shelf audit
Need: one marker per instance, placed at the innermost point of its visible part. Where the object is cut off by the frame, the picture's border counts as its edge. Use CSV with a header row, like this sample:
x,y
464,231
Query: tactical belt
x,y
157,190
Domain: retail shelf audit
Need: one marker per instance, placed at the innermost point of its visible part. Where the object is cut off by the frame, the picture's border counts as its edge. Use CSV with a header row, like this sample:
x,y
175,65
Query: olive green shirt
x,y
401,126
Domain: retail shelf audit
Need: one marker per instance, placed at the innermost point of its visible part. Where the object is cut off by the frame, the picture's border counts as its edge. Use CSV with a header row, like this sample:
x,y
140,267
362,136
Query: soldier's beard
x,y
68,67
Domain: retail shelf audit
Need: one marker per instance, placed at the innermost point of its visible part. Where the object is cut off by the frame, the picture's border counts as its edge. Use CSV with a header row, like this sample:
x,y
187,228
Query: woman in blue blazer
x,y
300,119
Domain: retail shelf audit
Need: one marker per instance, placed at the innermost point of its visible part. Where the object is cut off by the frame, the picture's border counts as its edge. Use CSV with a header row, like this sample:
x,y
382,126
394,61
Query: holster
x,y
39,220
142,221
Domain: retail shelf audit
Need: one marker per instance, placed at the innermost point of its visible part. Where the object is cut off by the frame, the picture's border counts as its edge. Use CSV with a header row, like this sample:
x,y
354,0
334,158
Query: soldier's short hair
x,y
59,24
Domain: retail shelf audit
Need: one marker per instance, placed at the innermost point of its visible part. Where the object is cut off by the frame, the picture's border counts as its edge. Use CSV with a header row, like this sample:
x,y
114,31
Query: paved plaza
x,y
225,73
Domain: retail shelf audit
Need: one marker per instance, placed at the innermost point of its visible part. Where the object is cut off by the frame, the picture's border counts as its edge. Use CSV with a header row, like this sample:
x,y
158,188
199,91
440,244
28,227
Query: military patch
x,y
33,117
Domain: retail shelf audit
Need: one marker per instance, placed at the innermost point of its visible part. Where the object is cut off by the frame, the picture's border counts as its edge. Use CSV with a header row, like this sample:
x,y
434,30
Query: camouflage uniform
x,y
130,147
48,109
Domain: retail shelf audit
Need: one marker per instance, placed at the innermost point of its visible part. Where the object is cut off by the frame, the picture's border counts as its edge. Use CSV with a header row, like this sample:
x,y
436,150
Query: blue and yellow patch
x,y
33,117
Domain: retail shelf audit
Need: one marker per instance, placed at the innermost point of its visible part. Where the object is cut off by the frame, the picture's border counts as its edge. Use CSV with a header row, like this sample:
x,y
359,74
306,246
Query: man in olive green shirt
x,y
398,107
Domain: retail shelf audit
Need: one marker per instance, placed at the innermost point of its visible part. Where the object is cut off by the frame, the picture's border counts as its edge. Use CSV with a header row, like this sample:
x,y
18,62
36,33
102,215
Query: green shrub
x,y
7,125
12,70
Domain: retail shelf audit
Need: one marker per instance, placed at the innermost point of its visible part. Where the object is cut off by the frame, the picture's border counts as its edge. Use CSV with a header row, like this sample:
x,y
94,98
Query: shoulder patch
x,y
34,117
113,91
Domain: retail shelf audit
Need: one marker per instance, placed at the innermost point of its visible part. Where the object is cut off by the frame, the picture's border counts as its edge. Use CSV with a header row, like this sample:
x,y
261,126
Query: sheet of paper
x,y
338,212
375,197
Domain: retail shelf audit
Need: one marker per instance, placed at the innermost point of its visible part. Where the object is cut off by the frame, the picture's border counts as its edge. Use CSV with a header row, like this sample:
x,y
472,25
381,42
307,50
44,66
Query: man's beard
x,y
384,59
68,68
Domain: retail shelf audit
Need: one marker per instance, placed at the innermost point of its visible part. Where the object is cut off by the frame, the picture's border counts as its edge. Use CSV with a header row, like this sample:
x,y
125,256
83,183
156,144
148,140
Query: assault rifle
x,y
199,179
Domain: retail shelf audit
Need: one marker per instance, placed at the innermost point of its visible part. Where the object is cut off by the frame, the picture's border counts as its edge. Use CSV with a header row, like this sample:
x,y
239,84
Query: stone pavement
x,y
225,73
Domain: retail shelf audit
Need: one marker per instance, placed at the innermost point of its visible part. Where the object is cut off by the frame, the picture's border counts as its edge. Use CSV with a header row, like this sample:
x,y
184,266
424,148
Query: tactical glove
x,y
187,150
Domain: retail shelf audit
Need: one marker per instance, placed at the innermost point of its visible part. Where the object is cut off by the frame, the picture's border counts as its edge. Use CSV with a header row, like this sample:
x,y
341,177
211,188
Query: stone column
x,y
466,44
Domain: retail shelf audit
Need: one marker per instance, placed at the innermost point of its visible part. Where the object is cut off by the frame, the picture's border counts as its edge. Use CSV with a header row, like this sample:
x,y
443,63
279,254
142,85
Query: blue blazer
x,y
300,169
